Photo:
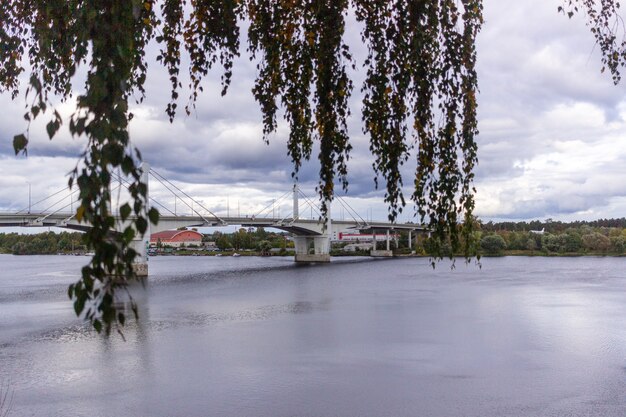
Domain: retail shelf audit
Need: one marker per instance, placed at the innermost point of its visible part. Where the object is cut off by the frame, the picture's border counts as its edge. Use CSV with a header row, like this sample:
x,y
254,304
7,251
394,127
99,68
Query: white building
x,y
361,237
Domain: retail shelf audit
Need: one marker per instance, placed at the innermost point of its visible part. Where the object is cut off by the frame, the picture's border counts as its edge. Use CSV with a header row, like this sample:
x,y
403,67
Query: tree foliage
x,y
419,92
596,242
493,244
264,247
607,27
605,236
42,244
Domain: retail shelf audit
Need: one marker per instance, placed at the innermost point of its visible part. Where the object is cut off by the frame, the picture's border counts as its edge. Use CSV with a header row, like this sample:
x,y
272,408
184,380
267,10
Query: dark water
x,y
262,337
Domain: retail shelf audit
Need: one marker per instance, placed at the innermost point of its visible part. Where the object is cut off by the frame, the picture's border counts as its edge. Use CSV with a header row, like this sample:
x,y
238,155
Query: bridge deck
x,y
298,226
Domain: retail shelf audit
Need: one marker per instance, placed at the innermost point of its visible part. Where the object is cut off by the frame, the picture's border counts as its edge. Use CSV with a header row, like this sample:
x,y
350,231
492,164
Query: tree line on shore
x,y
48,243
550,237
599,237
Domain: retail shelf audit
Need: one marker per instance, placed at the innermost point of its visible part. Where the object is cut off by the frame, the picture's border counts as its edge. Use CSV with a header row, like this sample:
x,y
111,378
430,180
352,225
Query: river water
x,y
358,337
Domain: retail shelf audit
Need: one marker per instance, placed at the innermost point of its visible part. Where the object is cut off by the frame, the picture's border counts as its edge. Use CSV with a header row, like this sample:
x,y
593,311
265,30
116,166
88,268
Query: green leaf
x,y
128,234
125,211
19,143
80,125
142,225
97,324
52,127
34,81
128,165
153,215
79,304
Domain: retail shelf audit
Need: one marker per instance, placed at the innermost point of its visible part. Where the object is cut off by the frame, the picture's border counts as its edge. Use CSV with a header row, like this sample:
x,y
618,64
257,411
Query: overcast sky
x,y
552,138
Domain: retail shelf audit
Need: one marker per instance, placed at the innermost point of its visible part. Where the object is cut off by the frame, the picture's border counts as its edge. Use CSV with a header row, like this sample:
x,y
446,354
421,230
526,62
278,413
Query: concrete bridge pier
x,y
140,265
319,253
141,244
410,240
376,253
321,243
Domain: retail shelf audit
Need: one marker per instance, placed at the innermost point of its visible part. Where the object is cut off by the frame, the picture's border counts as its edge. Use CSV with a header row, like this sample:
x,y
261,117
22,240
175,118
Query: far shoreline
x,y
229,254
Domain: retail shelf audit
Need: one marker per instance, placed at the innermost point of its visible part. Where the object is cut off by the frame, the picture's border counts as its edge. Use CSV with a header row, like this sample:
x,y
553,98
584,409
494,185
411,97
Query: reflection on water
x,y
264,337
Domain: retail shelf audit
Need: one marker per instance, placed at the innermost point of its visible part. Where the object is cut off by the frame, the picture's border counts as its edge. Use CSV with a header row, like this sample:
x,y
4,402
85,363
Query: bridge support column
x,y
319,253
375,253
388,240
140,265
320,243
381,254
142,243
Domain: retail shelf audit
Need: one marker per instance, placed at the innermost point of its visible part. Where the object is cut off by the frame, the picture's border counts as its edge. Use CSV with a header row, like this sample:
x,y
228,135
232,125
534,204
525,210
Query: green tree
x,y
517,241
493,244
19,249
617,244
596,242
65,244
241,239
261,233
223,242
420,87
538,240
264,247
551,243
572,241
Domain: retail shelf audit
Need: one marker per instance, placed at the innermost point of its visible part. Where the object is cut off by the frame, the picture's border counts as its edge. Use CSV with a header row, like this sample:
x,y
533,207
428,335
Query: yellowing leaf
x,y
80,212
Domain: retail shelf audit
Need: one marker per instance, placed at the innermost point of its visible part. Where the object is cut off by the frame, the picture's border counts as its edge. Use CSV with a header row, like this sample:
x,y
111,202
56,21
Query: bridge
x,y
312,236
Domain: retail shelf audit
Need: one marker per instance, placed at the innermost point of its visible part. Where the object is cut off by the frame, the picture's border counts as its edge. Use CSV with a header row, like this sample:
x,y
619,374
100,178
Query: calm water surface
x,y
359,337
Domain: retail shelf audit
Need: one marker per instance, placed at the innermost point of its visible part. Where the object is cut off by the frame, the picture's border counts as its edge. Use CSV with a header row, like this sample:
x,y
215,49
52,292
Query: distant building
x,y
360,237
353,247
176,238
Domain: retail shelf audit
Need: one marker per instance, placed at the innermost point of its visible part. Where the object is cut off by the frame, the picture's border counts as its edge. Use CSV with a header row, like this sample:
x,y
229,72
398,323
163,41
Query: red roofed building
x,y
176,238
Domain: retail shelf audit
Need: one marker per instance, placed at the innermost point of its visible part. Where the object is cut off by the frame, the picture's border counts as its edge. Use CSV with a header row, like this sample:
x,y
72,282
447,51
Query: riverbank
x,y
552,254
336,254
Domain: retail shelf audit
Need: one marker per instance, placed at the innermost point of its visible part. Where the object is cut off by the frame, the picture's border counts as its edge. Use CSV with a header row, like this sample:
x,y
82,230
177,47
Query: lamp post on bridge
x,y
29,199
296,213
